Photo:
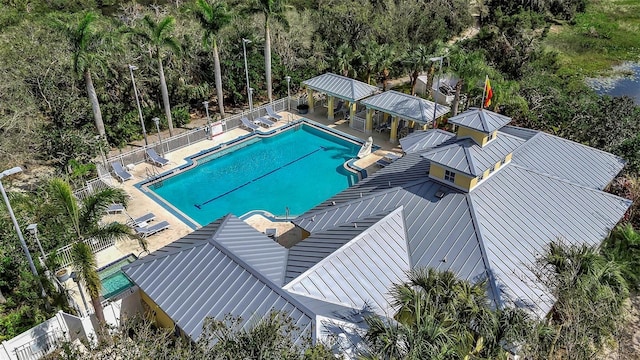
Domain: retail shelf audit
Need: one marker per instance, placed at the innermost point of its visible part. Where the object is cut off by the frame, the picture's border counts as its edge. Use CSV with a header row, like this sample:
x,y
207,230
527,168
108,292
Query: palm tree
x,y
85,42
387,58
272,9
416,60
439,317
344,58
83,217
213,17
470,68
158,34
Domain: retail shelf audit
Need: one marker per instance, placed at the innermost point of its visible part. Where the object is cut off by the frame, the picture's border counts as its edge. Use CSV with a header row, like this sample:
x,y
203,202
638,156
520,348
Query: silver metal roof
x,y
522,133
421,141
305,254
406,106
198,277
341,87
441,231
468,157
361,271
579,163
520,211
480,119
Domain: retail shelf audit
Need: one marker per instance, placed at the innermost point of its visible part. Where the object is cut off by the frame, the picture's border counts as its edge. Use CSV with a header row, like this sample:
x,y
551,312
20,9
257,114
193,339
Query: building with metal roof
x,y
481,203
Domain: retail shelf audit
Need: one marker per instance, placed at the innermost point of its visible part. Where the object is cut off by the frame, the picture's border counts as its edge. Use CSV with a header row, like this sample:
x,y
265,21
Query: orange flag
x,y
489,90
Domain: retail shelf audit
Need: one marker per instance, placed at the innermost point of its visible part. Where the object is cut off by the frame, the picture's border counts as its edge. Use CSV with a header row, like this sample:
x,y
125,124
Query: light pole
x,y
157,121
33,230
246,70
135,91
435,102
206,109
288,93
12,171
251,102
104,159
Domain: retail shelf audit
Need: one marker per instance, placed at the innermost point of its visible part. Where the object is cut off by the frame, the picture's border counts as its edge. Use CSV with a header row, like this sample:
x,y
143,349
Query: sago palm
x,y
213,17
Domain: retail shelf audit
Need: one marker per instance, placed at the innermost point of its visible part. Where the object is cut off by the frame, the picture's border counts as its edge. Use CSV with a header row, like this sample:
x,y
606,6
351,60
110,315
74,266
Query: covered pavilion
x,y
341,87
402,106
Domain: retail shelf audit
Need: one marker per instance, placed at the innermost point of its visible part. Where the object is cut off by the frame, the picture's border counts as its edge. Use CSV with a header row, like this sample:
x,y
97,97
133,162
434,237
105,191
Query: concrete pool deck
x,y
140,204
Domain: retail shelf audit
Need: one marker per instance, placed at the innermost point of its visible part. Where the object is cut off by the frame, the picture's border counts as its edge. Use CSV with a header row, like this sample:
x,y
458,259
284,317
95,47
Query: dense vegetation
x,y
65,77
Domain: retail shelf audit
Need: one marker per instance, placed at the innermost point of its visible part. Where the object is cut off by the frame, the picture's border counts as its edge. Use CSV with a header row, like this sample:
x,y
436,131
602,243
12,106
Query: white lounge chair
x,y
120,172
272,114
152,229
155,158
144,219
263,120
248,124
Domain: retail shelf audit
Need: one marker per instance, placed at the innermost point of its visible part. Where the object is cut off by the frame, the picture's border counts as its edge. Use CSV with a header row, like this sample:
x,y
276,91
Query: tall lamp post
x,y
246,71
12,171
76,279
435,102
157,121
135,91
206,109
33,230
288,92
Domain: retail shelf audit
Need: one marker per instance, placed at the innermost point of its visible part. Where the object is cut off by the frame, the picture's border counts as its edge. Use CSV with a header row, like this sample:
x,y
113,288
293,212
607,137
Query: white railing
x,y
64,253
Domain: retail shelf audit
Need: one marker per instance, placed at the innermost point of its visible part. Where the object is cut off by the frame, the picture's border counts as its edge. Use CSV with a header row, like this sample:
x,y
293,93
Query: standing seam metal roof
x,y
480,119
406,106
341,87
421,141
580,164
468,157
361,271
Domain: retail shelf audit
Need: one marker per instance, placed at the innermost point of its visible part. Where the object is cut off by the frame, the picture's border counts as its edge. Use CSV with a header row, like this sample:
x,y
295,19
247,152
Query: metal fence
x,y
194,136
64,253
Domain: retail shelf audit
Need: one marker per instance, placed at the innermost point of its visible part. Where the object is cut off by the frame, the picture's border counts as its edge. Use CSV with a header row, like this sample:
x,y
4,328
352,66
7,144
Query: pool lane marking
x,y
199,206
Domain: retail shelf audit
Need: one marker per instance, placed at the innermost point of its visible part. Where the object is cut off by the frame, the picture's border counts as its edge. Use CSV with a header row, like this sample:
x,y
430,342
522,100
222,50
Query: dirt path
x,y
629,339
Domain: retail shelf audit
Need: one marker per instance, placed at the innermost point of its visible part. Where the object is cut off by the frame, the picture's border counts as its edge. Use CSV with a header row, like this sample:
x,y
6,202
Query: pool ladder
x,y
152,174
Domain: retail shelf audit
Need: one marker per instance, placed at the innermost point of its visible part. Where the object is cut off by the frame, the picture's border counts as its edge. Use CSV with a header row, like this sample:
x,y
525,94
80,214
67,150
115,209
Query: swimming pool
x,y
114,281
285,174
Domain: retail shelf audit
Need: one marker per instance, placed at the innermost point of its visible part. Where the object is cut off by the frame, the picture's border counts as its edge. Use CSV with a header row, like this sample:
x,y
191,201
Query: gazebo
x,y
402,106
341,87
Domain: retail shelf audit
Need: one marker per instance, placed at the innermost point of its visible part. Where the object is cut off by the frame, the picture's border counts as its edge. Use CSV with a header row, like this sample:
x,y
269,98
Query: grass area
x,y
606,34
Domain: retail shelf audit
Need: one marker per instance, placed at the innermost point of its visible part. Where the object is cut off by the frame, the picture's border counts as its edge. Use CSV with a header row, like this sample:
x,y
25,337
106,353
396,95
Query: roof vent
x,y
355,225
444,260
333,203
440,193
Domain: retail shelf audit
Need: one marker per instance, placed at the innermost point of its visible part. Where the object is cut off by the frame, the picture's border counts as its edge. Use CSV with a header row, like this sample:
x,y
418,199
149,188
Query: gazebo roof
x,y
406,106
341,87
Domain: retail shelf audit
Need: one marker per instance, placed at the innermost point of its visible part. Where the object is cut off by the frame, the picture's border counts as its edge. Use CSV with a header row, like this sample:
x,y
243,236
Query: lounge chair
x,y
155,158
248,124
142,220
263,120
341,109
388,159
272,114
383,127
152,229
115,209
120,172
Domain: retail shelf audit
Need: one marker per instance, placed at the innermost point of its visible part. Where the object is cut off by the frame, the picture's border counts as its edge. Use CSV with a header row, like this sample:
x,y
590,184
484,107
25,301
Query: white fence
x,y
64,253
44,338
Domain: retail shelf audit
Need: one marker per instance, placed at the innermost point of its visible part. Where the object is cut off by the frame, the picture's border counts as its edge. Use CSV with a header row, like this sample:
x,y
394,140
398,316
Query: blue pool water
x,y
296,169
114,281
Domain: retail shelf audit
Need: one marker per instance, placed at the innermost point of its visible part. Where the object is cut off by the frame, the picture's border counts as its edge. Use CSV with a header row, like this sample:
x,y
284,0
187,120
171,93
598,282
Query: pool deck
x,y
140,203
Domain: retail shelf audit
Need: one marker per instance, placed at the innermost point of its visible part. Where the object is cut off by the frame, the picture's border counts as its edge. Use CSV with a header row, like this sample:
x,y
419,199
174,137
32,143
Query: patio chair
x,y
120,172
155,158
151,229
383,127
248,124
115,209
263,120
341,109
272,233
272,114
142,220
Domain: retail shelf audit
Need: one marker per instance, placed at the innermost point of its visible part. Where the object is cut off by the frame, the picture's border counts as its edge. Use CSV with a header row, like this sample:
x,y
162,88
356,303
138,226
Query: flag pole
x,y
484,91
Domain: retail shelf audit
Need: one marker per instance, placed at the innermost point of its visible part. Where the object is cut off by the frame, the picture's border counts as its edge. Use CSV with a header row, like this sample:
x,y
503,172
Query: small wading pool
x,y
114,281
284,175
